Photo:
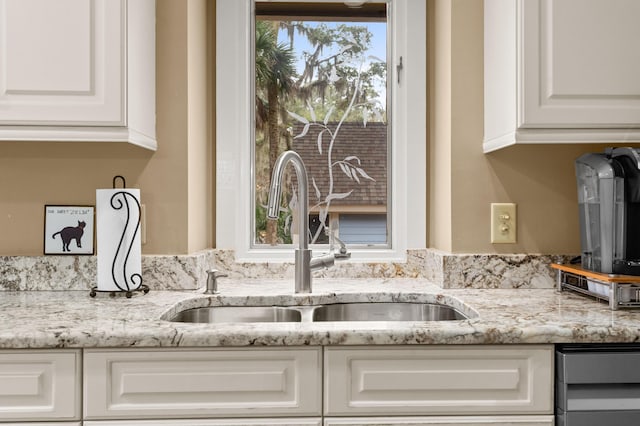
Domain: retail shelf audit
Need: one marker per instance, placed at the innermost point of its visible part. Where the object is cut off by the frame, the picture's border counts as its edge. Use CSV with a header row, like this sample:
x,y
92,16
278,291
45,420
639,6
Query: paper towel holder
x,y
124,181
118,204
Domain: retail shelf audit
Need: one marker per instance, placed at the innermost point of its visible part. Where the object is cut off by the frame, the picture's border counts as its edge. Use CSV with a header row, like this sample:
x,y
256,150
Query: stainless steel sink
x,y
392,311
238,314
367,311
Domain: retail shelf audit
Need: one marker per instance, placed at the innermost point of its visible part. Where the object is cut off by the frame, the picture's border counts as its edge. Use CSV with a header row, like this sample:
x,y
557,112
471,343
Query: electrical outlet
x,y
503,223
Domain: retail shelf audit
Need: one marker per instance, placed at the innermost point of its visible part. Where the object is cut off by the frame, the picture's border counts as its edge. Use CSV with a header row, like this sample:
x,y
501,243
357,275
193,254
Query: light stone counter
x,y
48,319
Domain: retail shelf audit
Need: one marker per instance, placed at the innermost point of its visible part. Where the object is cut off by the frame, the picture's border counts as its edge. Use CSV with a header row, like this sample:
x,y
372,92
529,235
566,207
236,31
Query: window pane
x,y
321,90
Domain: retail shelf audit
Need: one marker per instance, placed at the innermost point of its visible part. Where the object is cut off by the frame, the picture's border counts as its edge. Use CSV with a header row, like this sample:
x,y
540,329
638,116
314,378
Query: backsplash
x,y
499,270
188,272
443,269
159,272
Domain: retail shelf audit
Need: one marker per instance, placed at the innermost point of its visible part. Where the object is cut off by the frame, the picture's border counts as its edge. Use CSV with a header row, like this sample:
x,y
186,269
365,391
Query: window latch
x,y
399,68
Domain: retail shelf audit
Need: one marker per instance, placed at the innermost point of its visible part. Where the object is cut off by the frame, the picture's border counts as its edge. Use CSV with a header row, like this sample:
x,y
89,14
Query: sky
x,y
378,44
378,40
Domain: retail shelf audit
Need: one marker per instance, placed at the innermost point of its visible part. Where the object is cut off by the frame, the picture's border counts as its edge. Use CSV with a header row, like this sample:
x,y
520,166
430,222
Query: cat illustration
x,y
71,233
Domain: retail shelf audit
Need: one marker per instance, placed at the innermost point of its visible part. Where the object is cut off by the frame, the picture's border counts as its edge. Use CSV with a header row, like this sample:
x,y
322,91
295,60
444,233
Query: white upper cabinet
x,y
78,70
561,71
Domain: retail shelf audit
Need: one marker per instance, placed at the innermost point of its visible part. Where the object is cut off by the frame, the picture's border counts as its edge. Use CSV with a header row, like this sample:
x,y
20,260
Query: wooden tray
x,y
620,291
610,278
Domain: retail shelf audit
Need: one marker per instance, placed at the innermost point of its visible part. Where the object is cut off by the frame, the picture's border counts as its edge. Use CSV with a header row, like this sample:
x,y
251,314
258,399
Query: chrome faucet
x,y
304,263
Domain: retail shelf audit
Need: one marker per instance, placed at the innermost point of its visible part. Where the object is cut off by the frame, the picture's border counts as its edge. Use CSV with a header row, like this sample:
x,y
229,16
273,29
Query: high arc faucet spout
x,y
275,194
302,253
304,264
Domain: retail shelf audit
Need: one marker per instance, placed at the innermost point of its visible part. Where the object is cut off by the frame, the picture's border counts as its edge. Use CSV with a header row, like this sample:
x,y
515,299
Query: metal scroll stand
x,y
126,291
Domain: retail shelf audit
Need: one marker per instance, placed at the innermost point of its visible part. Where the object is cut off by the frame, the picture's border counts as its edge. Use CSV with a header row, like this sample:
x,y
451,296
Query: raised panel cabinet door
x,y
263,382
442,421
39,385
438,380
44,424
205,422
62,62
580,64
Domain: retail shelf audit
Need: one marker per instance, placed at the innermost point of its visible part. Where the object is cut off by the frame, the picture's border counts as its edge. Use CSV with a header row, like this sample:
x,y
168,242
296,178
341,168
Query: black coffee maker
x,y
609,203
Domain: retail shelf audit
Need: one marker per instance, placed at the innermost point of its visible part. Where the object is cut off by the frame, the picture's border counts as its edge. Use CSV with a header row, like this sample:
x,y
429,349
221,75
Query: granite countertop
x,y
72,319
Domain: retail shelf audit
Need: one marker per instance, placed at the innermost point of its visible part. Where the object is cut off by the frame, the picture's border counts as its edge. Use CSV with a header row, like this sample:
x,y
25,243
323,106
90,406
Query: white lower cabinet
x,y
265,382
504,385
43,424
344,421
224,422
442,421
40,386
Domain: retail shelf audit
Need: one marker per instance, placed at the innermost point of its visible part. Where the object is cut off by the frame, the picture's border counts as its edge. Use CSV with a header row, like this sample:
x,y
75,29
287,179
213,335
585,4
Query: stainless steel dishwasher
x,y
598,385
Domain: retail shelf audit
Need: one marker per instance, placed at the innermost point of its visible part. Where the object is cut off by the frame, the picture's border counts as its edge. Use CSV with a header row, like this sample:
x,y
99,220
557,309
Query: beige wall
x,y
439,111
199,165
176,181
539,179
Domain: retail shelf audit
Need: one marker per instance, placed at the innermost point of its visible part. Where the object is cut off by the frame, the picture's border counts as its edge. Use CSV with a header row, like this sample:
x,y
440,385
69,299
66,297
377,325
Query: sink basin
x,y
392,311
238,314
382,311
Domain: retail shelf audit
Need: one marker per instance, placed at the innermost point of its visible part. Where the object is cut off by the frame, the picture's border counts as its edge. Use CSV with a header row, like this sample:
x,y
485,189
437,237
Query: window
x,y
403,211
321,90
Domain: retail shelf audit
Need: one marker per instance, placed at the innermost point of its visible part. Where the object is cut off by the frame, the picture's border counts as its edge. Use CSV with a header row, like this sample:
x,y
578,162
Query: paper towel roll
x,y
118,239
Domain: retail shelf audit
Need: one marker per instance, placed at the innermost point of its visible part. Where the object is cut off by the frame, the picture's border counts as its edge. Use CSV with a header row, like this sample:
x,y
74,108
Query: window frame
x,y
234,133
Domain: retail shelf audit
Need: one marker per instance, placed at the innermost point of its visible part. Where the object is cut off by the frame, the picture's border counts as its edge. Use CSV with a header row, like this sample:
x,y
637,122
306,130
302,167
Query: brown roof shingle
x,y
366,143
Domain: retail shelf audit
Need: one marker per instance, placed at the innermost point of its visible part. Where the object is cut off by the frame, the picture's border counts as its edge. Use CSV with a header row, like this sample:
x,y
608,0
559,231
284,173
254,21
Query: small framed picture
x,y
68,229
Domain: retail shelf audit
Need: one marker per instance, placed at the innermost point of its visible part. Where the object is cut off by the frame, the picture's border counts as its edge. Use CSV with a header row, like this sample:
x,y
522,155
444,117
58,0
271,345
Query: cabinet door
x,y
44,424
39,385
262,382
62,62
438,380
442,421
204,422
580,64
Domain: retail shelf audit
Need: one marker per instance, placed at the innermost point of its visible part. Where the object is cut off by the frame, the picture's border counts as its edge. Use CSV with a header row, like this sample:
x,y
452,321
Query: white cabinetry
x,y
440,380
204,422
442,421
360,385
138,384
78,70
44,424
40,386
561,71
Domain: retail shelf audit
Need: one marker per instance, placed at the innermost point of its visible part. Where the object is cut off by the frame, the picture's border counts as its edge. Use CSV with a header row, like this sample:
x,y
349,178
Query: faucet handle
x,y
212,281
342,251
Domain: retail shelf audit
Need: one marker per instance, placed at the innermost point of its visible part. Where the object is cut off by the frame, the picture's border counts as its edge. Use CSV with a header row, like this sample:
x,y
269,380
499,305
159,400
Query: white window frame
x,y
234,124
